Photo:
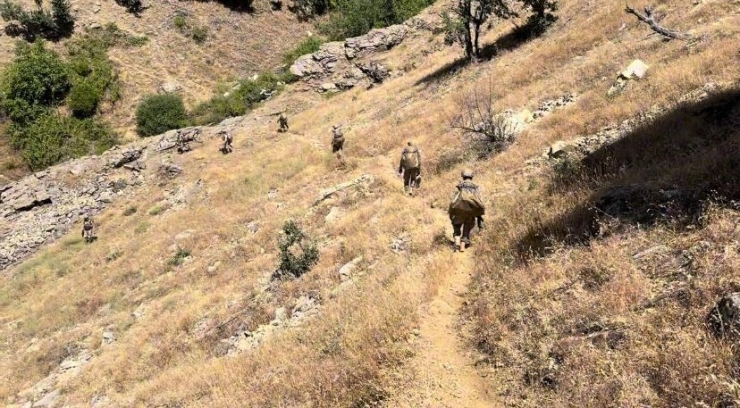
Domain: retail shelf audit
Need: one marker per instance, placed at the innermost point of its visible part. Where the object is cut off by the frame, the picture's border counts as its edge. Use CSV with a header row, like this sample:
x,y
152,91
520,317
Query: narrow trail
x,y
441,374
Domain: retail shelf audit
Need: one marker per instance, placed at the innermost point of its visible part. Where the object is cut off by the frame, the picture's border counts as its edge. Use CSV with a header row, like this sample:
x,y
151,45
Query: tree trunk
x,y
469,49
476,43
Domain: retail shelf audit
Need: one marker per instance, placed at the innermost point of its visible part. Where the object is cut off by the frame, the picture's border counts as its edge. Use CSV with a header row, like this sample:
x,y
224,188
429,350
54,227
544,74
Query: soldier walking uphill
x,y
183,145
466,207
283,122
410,168
337,143
228,140
88,229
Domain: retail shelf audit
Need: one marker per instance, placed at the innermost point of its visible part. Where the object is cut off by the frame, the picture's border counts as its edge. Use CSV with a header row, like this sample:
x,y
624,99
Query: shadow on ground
x,y
665,171
510,41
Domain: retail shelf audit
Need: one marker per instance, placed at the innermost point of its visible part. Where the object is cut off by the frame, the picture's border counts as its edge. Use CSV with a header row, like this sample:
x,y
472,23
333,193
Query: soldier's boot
x,y
462,246
457,244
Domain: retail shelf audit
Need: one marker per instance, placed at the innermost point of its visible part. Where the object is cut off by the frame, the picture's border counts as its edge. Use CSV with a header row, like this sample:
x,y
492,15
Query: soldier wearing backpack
x,y
410,168
283,122
88,229
337,139
228,140
466,207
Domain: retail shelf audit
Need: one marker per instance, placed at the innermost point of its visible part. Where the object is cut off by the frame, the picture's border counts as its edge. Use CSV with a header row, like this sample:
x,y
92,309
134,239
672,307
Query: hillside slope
x,y
174,304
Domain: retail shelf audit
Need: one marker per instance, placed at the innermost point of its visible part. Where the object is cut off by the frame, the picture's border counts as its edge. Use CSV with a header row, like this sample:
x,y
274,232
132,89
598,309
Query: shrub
x,y
199,34
239,99
490,131
180,256
37,79
132,6
307,46
356,17
297,253
40,22
180,22
83,100
53,138
160,113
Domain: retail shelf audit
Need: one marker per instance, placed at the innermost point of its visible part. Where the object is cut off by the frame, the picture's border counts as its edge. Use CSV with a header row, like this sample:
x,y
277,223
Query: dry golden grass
x,y
527,313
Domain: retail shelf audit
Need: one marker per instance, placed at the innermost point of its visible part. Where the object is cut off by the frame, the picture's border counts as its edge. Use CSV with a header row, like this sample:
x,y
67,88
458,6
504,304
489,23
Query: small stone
x,y
654,250
48,401
346,271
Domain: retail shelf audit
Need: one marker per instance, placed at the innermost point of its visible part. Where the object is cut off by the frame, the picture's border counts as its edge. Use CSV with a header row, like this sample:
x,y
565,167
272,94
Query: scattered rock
x,y
637,69
724,318
109,337
376,40
658,249
401,244
169,170
334,214
253,227
48,401
170,87
346,271
184,235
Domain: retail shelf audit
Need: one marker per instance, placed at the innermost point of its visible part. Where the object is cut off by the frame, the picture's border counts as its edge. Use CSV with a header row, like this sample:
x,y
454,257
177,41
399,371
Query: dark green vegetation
x,y
132,6
350,18
239,99
160,113
40,81
297,253
40,22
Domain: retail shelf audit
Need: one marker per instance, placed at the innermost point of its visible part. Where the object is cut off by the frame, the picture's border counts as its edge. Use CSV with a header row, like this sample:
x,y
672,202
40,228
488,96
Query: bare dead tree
x,y
649,19
490,131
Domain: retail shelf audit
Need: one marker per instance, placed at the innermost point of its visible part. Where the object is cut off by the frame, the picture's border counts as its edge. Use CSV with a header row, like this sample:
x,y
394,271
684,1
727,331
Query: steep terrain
x,y
175,305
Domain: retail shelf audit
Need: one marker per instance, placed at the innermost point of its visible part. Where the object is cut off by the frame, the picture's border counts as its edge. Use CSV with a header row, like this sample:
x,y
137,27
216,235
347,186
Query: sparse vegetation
x,y
488,130
159,113
307,46
350,18
297,253
179,258
239,98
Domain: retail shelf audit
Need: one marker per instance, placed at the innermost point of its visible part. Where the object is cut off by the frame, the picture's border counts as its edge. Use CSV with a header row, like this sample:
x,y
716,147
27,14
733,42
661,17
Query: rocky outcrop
x,y
344,65
44,206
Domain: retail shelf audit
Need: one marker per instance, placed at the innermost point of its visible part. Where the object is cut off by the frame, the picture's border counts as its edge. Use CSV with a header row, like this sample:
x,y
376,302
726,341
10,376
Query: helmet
x,y
467,173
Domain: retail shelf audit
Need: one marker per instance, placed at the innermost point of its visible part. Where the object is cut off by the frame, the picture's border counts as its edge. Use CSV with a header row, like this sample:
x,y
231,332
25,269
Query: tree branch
x,y
650,21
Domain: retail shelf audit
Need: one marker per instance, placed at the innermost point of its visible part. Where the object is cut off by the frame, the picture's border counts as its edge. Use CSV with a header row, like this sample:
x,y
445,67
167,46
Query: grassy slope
x,y
68,294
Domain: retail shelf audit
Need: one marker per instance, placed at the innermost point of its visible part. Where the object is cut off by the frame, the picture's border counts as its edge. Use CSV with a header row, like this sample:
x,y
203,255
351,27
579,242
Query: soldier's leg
x,y
407,178
466,228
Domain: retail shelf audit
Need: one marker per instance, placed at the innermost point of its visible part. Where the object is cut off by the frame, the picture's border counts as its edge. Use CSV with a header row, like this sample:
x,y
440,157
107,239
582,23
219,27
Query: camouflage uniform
x,y
182,145
411,175
88,229
228,140
463,224
283,122
337,141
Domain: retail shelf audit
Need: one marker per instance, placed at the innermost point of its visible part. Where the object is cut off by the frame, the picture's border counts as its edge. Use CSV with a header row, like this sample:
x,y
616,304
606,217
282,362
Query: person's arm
x,y
418,156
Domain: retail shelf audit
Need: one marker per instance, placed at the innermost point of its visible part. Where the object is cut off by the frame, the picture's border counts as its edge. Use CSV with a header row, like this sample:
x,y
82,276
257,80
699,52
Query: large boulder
x,y
381,39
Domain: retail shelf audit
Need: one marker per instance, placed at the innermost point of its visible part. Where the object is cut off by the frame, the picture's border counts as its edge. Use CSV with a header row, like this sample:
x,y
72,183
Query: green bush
x,y
84,99
132,6
52,24
180,22
307,46
297,253
37,79
199,34
239,99
351,18
159,113
53,138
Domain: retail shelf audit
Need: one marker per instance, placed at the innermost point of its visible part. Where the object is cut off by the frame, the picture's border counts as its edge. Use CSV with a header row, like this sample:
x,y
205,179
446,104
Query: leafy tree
x,y
160,113
470,15
351,18
53,138
52,24
63,21
36,80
